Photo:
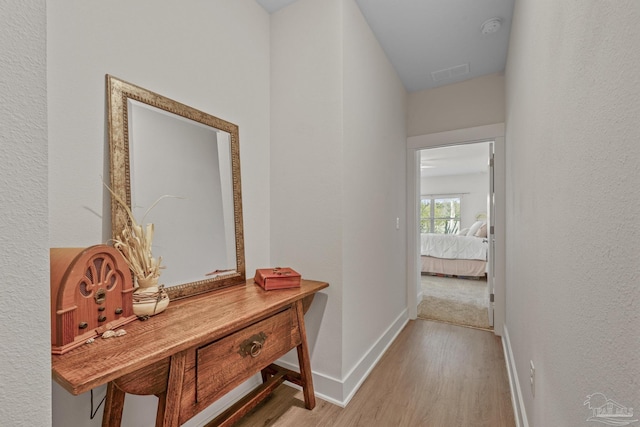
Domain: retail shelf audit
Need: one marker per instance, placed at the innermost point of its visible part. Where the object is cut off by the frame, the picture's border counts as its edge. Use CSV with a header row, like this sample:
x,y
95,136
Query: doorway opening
x,y
494,132
456,211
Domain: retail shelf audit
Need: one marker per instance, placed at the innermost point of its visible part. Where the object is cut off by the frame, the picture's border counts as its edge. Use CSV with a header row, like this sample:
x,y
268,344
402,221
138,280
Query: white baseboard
x,y
517,402
365,365
339,392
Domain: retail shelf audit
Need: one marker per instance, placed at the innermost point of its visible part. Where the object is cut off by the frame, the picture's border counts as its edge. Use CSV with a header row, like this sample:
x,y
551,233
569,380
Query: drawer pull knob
x,y
253,346
256,348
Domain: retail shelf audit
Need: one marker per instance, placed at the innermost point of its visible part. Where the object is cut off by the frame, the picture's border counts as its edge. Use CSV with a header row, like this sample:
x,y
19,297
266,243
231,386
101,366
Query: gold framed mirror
x,y
160,147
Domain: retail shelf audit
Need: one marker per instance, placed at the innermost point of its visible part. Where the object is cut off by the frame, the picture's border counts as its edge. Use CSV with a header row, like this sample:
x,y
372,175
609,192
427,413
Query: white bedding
x,y
453,246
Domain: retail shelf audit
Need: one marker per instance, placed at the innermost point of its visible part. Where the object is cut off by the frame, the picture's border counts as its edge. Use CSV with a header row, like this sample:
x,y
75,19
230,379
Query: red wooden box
x,y
277,278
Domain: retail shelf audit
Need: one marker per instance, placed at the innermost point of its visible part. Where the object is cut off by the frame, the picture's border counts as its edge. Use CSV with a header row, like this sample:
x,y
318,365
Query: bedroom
x,y
454,245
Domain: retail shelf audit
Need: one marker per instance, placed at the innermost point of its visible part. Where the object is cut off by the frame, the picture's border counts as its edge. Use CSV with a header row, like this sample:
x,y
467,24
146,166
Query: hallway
x,y
434,375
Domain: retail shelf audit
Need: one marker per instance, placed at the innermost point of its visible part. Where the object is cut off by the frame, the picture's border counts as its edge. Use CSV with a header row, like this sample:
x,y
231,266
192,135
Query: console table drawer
x,y
224,364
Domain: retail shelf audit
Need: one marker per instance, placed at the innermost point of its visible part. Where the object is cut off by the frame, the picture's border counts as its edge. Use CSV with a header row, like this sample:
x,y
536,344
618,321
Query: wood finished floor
x,y
433,375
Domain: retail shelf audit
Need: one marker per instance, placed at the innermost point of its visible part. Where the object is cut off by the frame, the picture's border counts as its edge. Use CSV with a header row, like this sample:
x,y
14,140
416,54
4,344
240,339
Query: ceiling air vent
x,y
491,26
449,73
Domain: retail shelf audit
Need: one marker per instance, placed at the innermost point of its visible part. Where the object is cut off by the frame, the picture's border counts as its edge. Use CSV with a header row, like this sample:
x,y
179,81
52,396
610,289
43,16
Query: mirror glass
x,y
161,148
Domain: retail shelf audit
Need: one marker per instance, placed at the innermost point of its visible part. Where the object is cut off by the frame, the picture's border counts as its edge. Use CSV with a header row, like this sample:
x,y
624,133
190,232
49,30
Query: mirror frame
x,y
118,94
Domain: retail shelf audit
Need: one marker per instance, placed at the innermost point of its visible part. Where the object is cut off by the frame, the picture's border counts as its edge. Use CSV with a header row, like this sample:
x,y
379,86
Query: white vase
x,y
149,299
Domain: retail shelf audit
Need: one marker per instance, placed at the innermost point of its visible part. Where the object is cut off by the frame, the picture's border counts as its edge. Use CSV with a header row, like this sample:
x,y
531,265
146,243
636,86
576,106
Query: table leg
x,y
113,406
304,361
171,407
162,405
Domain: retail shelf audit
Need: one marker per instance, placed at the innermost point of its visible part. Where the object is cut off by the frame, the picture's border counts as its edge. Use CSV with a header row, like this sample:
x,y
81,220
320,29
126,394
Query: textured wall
x,y
24,233
573,244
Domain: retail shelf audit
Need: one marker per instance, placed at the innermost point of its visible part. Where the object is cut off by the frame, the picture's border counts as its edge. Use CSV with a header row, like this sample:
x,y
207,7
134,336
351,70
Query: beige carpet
x,y
452,300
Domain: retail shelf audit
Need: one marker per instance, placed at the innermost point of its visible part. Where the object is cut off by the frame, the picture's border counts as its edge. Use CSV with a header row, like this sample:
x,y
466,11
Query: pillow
x,y
474,228
482,231
463,232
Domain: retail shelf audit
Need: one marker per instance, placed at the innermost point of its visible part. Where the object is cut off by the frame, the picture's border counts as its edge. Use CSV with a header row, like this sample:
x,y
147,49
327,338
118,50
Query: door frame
x,y
495,133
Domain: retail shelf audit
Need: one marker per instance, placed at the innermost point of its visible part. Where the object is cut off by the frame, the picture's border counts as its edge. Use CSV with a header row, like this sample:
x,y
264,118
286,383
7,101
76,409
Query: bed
x,y
454,255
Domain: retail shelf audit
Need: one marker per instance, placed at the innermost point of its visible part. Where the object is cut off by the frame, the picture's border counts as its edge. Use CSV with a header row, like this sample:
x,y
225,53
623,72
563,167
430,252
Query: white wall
x,y
211,55
25,370
337,128
473,187
374,196
475,102
573,247
306,161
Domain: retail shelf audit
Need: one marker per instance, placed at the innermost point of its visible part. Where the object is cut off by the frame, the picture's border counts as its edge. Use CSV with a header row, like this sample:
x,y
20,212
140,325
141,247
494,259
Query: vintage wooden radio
x,y
91,292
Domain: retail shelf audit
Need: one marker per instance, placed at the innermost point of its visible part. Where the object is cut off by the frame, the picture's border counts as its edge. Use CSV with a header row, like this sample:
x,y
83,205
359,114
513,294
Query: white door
x,y
491,237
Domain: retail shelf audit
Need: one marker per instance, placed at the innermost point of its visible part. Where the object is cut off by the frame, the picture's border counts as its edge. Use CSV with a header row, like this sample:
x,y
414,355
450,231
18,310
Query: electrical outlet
x,y
532,377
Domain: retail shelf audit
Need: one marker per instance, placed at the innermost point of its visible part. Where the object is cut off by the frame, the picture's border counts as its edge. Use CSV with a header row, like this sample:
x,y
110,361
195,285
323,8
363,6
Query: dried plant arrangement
x,y
134,243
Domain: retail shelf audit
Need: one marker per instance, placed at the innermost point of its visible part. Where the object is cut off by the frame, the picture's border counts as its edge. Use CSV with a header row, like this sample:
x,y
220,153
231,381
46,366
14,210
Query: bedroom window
x,y
440,214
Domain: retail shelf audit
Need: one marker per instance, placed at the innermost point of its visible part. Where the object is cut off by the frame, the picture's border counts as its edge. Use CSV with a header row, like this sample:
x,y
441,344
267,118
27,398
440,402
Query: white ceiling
x,y
425,36
454,160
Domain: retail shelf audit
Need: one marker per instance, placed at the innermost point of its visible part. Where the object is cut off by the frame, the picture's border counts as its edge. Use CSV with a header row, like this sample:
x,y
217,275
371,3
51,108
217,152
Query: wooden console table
x,y
196,351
